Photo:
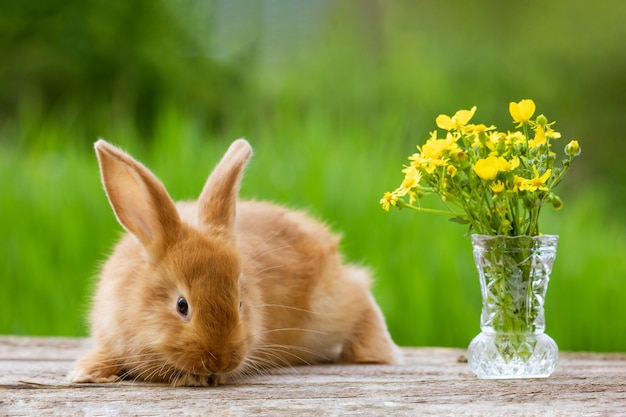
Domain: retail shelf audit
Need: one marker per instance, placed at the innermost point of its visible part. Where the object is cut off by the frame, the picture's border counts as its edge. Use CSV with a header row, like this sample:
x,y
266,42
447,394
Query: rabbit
x,y
209,292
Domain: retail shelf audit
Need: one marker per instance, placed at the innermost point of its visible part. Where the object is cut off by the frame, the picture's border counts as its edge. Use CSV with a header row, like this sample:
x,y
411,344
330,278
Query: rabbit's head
x,y
175,292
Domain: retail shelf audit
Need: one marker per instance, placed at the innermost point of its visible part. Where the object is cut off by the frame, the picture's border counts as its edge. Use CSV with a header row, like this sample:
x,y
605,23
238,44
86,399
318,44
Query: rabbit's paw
x,y
95,367
193,380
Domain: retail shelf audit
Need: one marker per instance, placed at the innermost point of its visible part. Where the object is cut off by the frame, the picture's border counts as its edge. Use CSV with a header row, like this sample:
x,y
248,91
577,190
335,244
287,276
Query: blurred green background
x,y
333,95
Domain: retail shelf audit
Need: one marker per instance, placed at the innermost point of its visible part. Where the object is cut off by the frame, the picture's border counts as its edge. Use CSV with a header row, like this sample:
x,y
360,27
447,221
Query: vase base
x,y
512,355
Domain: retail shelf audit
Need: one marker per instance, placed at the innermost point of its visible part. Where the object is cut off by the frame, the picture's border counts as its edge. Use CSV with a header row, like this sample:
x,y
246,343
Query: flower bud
x,y
541,120
501,147
459,156
572,148
556,201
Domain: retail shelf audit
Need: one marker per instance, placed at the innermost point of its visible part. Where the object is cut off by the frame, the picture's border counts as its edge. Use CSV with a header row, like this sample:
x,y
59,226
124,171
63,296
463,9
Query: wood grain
x,y
432,381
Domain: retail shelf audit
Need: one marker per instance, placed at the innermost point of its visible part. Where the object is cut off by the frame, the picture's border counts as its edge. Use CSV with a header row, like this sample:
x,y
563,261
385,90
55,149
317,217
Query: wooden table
x,y
433,381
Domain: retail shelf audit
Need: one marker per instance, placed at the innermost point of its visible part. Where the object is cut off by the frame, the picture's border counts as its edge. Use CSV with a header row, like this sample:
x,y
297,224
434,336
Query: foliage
x,y
331,95
57,227
95,60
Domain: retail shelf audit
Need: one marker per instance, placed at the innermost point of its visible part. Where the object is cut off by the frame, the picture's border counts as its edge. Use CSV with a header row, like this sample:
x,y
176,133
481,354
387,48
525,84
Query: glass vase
x,y
514,272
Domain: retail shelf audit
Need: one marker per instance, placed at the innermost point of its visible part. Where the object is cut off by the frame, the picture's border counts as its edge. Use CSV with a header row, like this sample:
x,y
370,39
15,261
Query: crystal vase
x,y
514,274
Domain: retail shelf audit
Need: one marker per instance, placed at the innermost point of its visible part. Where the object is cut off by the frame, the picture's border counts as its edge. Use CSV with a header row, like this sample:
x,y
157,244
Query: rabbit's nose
x,y
220,363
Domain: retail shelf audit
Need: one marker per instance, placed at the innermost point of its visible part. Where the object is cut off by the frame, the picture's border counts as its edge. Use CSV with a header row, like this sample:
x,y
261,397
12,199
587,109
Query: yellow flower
x,y
460,119
388,200
408,183
487,169
497,187
505,166
516,137
495,181
552,134
517,182
401,192
522,111
496,142
418,161
411,179
536,183
542,121
434,152
476,129
496,137
435,148
540,137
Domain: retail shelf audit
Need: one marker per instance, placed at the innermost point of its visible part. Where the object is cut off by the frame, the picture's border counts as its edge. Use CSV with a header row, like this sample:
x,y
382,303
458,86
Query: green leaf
x,y
459,220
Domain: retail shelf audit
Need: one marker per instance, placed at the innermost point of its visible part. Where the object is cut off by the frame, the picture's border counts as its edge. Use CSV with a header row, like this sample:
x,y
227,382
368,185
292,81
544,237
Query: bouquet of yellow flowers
x,y
493,181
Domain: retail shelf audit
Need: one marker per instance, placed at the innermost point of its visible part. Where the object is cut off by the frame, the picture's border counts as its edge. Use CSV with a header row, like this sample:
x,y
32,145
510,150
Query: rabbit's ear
x,y
140,202
218,200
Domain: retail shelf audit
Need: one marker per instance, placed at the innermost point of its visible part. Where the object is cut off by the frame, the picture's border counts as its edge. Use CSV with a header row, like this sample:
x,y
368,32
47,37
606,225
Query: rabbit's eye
x,y
182,307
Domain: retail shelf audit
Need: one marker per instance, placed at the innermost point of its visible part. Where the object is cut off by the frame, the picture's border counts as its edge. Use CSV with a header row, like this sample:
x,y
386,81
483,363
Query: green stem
x,y
435,211
525,128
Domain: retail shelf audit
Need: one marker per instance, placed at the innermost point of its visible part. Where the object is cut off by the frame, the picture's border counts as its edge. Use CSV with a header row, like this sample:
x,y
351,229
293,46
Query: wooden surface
x,y
433,381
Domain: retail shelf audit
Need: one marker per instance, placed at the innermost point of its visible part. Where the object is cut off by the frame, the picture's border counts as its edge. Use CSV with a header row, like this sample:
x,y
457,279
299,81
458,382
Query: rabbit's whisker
x,y
278,352
293,308
295,329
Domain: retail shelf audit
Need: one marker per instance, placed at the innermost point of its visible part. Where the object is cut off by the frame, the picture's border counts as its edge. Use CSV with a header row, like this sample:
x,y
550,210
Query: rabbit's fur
x,y
263,286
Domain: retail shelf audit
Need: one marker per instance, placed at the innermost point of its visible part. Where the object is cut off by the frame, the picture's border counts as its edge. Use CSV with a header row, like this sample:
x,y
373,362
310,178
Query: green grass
x,y
56,225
